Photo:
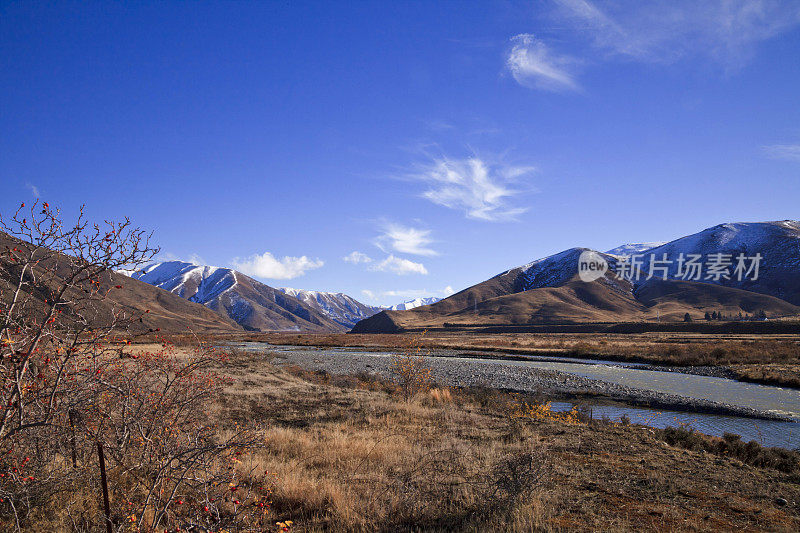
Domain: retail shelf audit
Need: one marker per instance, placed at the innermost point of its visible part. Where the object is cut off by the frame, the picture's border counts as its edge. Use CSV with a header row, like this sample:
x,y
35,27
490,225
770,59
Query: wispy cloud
x,y
534,65
790,152
399,266
405,239
197,259
481,189
34,189
725,31
268,266
369,294
357,257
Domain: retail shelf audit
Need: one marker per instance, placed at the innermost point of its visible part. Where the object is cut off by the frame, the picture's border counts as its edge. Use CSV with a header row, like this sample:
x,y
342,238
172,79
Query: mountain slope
x,y
777,242
341,308
159,309
252,304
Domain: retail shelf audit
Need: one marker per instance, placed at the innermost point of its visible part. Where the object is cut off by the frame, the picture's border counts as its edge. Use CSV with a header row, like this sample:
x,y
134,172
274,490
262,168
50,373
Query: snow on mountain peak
x,y
416,302
634,248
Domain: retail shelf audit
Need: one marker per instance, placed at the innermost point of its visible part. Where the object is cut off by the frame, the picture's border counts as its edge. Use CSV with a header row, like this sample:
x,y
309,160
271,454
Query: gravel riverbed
x,y
561,385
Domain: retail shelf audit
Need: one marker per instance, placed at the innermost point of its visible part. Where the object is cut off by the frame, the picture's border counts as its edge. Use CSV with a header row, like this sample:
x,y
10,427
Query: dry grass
x,y
350,456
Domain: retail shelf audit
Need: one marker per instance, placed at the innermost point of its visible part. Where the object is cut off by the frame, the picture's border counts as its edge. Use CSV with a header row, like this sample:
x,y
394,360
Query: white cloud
x,y
399,266
783,151
722,30
356,257
447,291
34,189
479,188
533,65
405,239
268,266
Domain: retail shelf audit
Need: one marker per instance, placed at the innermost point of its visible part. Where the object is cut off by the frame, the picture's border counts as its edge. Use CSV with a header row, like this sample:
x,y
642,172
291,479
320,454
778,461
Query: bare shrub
x,y
72,392
411,372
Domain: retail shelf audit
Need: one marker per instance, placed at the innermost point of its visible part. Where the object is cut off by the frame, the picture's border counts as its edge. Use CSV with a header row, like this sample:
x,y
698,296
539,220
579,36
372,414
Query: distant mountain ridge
x,y
549,290
337,306
252,304
412,304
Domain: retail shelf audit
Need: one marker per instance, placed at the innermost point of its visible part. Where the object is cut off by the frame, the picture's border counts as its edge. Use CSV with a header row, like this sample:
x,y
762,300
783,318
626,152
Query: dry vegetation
x,y
351,455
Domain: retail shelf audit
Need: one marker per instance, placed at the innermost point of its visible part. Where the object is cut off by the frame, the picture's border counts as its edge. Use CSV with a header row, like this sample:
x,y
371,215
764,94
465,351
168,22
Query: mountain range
x,y
550,290
256,306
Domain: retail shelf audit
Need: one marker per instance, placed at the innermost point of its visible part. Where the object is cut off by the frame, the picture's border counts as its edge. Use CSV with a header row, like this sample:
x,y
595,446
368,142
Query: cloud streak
x,y
268,266
357,257
533,65
790,152
405,239
724,31
482,190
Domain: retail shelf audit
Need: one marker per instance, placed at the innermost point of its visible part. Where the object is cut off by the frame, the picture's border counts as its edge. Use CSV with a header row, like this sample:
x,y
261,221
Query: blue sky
x,y
432,144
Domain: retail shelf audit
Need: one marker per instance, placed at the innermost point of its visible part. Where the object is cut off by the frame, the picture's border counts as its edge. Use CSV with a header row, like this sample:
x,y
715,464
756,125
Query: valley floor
x,y
766,359
350,455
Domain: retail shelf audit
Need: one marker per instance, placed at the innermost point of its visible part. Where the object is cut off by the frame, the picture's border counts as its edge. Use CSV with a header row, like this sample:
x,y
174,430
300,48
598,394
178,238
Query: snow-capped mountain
x,y
416,302
254,305
337,306
634,248
550,290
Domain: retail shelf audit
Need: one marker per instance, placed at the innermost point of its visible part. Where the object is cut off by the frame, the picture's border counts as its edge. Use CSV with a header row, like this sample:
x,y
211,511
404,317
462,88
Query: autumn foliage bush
x,y
75,396
410,371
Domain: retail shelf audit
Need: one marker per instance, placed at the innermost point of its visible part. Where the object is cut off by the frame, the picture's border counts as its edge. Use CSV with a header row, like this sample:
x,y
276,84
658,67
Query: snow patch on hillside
x,y
337,306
